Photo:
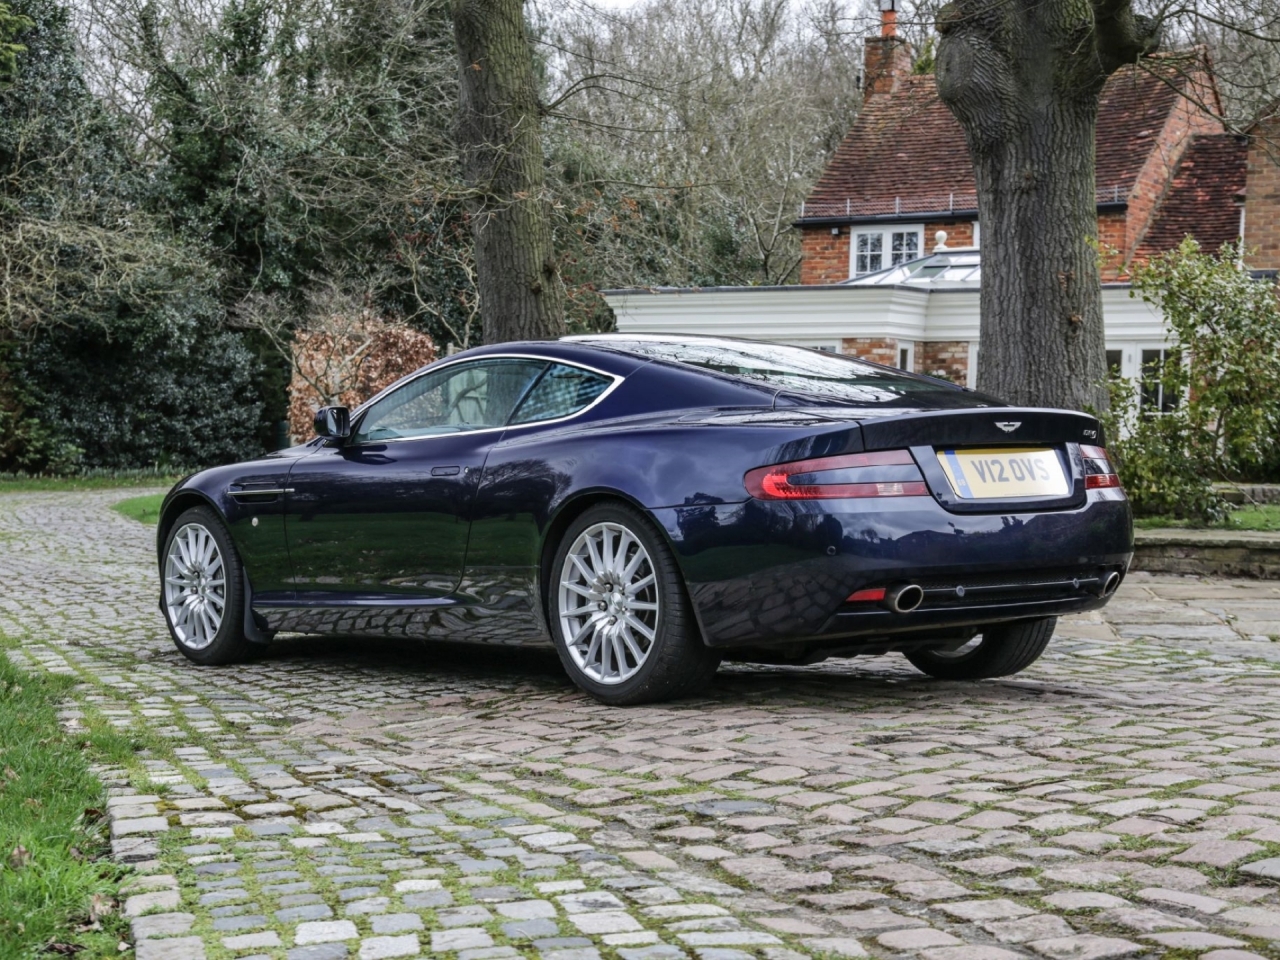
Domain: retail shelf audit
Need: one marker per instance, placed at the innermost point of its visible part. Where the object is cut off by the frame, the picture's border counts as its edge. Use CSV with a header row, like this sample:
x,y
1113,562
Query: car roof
x,y
605,339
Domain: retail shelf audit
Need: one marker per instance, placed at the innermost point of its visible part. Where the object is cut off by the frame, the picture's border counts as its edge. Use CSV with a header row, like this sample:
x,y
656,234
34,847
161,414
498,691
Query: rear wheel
x,y
623,624
204,590
999,651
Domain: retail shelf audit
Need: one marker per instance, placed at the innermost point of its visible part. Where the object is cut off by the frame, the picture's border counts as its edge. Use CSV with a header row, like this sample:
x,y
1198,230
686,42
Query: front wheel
x,y
204,590
623,624
999,651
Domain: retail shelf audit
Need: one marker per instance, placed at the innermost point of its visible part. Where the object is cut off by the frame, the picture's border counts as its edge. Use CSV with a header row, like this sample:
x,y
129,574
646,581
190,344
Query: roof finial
x,y
888,18
939,238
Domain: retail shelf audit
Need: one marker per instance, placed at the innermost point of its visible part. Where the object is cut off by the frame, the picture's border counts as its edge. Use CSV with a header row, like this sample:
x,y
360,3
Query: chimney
x,y
888,57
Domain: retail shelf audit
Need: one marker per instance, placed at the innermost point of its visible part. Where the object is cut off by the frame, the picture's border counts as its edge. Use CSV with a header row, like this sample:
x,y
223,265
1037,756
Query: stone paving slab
x,y
365,799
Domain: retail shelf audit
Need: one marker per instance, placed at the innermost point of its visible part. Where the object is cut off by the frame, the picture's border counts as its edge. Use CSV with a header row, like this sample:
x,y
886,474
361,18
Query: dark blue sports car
x,y
650,506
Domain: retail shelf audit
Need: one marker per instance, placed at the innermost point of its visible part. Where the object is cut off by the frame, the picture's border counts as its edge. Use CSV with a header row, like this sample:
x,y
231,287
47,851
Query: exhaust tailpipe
x,y
1110,585
903,598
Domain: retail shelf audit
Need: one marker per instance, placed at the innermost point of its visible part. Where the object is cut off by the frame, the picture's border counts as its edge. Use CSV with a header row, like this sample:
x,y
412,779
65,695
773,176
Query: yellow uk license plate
x,y
997,474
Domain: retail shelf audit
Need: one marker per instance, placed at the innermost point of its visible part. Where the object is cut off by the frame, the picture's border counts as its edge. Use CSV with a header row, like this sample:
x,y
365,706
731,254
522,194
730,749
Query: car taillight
x,y
883,473
869,595
1098,472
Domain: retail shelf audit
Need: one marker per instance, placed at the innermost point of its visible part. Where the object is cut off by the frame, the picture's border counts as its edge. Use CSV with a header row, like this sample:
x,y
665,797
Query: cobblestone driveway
x,y
365,799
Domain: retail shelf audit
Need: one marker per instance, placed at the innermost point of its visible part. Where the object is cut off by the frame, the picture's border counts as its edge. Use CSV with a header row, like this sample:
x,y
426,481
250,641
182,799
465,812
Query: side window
x,y
561,392
456,399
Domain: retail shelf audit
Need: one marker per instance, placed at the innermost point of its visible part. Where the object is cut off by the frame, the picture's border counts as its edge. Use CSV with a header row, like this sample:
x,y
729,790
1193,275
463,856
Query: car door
x,y
386,513
255,520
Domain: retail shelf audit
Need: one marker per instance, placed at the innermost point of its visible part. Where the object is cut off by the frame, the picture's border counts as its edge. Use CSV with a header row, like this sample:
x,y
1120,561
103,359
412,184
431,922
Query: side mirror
x,y
333,422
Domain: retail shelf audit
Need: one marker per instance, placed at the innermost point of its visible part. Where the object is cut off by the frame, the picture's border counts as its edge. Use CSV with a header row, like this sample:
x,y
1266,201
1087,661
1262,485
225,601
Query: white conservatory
x,y
921,315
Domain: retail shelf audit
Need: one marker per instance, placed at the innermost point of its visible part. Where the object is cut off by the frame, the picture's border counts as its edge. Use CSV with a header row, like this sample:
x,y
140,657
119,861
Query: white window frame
x,y
977,235
1131,357
908,347
885,233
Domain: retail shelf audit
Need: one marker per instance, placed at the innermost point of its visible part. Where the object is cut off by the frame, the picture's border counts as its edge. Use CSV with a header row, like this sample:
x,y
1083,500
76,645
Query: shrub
x,y
1225,426
1163,470
350,366
170,390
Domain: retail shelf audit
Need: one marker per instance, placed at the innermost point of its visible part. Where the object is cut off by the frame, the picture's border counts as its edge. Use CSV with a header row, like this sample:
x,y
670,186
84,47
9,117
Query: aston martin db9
x,y
650,506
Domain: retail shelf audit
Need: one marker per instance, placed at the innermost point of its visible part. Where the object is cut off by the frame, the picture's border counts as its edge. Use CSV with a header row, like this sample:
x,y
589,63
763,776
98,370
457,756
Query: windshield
x,y
811,373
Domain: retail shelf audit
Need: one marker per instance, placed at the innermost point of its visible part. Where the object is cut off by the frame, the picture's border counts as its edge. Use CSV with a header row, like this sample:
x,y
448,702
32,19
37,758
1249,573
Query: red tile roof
x,y
907,154
1200,200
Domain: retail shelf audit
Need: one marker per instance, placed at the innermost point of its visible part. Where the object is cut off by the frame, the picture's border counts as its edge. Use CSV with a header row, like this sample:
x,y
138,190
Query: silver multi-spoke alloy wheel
x,y
608,603
195,586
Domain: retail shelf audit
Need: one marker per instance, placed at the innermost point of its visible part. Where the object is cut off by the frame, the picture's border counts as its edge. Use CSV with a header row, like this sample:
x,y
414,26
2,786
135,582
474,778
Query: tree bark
x,y
1023,78
521,292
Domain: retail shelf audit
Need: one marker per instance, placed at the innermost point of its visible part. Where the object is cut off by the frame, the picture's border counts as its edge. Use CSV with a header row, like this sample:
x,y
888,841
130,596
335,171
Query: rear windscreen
x,y
809,373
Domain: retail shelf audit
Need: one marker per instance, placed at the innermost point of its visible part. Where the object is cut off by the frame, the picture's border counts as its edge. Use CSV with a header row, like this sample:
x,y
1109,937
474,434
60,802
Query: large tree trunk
x,y
1023,78
521,293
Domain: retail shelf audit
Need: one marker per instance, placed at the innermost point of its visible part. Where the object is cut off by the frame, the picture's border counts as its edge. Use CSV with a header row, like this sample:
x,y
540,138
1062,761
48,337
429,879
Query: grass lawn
x,y
53,887
95,480
1264,516
143,509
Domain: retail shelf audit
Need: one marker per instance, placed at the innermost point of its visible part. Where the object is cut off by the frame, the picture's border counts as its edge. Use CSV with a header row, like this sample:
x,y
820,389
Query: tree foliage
x,y
170,168
685,133
1228,324
1224,368
12,25
113,348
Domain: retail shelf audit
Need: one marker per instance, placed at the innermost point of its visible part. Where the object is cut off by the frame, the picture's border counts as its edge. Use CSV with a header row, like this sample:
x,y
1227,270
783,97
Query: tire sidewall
x,y
229,637
670,599
986,659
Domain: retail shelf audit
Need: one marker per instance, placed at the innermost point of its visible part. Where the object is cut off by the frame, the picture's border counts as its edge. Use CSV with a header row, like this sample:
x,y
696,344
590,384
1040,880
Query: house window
x,y
1153,396
874,250
906,356
868,253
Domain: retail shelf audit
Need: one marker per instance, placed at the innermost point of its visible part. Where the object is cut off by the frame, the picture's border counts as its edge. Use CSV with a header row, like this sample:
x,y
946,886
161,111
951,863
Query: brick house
x,y
891,241
903,172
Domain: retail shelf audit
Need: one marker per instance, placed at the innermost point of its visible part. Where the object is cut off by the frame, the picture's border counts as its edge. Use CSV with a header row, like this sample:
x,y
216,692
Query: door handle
x,y
445,471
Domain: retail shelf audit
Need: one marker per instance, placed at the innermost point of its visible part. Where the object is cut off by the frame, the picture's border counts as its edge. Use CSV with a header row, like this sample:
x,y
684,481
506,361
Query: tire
x,y
626,641
200,569
1001,650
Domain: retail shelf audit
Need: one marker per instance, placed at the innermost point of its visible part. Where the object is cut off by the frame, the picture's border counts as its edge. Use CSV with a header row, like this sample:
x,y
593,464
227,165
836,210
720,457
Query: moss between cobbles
x,y
306,863
713,869
52,833
555,775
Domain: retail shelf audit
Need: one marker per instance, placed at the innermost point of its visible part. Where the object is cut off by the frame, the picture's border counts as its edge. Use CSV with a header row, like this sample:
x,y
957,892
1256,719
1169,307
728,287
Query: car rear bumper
x,y
777,573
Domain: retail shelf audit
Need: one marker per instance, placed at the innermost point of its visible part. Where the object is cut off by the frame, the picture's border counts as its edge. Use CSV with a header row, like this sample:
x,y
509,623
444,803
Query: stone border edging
x,y
1208,553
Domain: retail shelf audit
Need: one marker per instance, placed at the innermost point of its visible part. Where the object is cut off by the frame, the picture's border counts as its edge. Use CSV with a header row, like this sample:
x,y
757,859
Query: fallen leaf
x,y
76,853
101,905
20,857
63,949
92,813
32,802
